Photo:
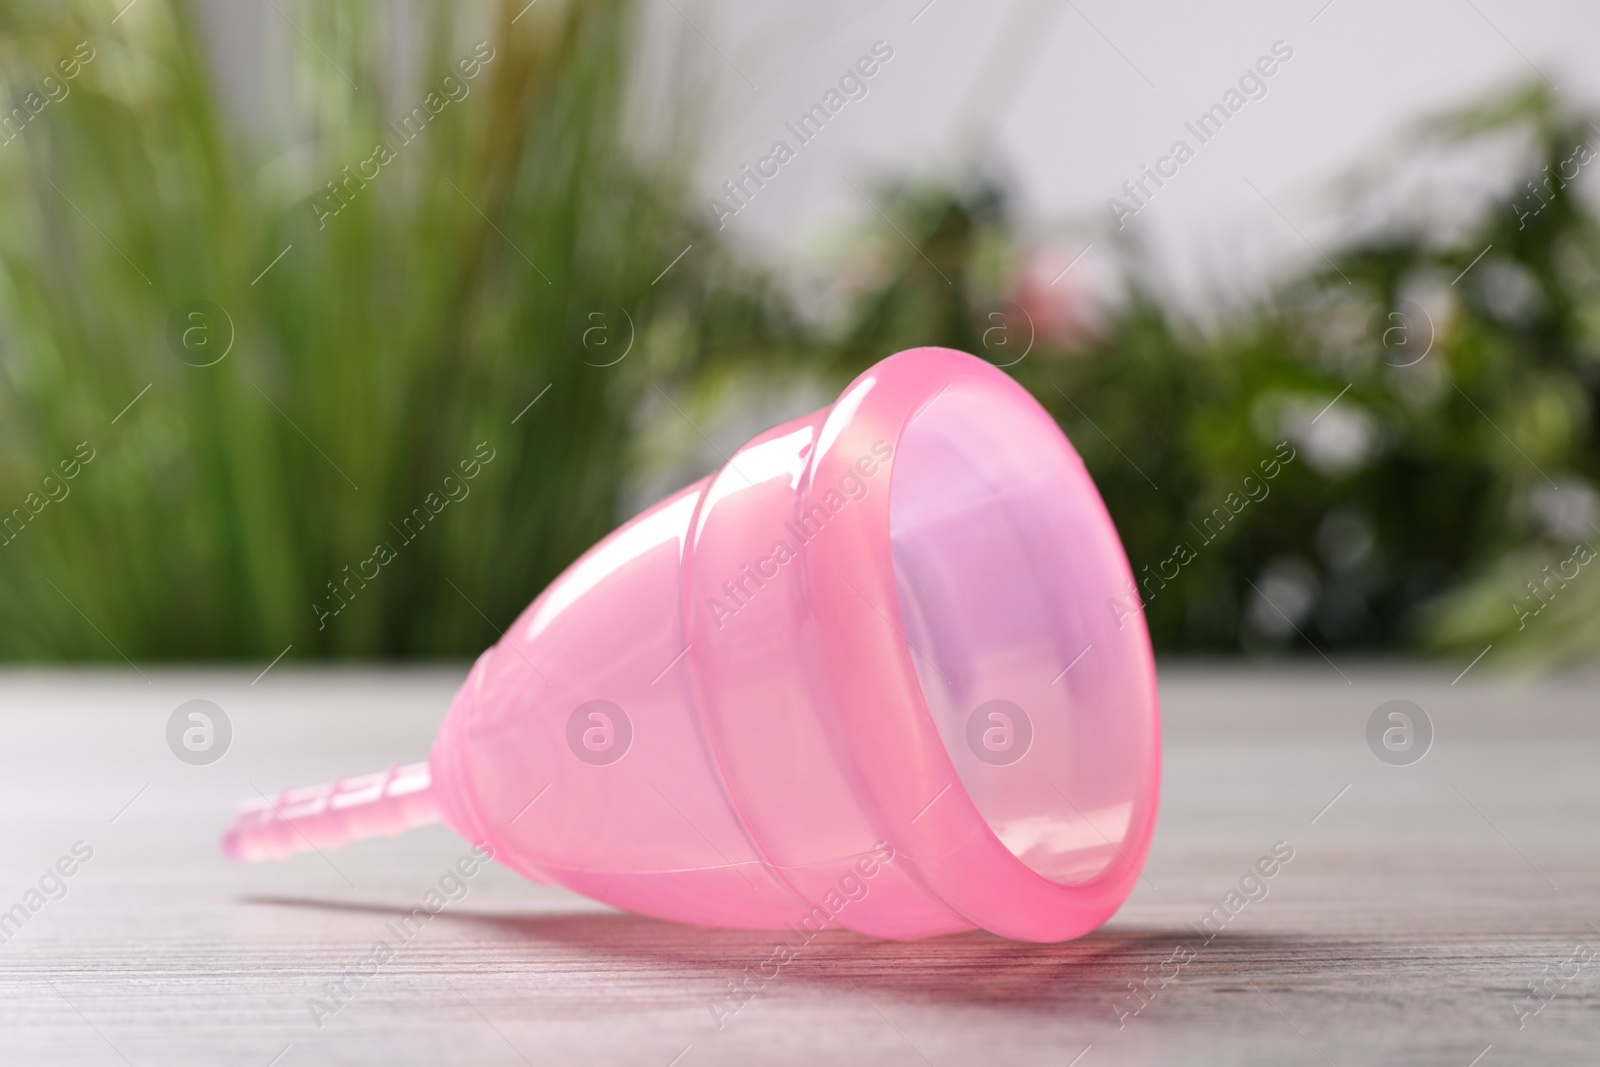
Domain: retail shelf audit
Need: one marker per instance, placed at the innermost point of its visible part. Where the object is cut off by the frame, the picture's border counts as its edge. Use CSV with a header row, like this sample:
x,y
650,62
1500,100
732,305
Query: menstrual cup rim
x,y
950,844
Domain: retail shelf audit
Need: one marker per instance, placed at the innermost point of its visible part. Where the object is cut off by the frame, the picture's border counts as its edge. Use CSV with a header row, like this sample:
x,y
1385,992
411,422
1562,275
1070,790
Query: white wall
x,y
1074,97
1065,99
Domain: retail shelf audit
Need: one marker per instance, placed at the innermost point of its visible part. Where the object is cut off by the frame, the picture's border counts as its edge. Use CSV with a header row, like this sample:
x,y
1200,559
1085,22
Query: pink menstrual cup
x,y
885,670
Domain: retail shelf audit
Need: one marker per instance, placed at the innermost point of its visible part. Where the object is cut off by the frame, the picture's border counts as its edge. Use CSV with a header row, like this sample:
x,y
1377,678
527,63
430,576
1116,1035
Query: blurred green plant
x,y
1395,449
429,260
1435,384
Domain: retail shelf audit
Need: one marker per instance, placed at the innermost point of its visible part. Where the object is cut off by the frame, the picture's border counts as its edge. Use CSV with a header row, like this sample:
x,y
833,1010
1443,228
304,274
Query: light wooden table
x,y
1417,910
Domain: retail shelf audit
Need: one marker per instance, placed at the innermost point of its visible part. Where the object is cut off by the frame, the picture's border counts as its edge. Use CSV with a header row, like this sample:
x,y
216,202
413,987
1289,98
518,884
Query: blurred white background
x,y
1067,99
1061,100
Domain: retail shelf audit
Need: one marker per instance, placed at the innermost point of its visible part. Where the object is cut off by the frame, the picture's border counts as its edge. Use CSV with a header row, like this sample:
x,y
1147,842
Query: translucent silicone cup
x,y
885,670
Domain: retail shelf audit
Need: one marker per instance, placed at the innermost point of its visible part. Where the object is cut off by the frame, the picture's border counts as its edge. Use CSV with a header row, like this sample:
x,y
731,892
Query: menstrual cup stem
x,y
385,804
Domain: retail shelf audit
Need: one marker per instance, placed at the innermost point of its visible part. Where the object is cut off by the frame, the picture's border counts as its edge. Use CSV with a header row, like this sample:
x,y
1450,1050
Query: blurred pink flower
x,y
1063,314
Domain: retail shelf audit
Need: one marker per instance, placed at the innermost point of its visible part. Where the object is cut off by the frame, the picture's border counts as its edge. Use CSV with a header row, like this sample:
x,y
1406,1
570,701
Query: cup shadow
x,y
1078,978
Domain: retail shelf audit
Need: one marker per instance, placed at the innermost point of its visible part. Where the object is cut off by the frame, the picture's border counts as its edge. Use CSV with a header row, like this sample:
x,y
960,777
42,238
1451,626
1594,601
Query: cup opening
x,y
1031,654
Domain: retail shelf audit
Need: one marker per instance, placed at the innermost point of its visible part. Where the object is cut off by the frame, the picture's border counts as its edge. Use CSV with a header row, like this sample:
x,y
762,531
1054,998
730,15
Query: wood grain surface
x,y
1427,912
